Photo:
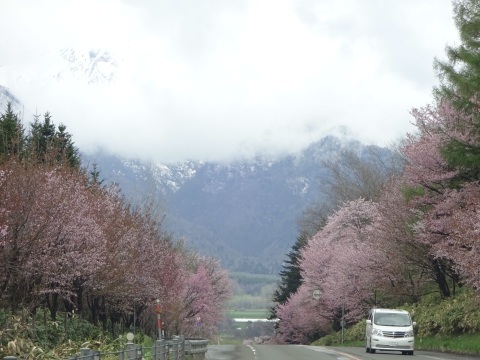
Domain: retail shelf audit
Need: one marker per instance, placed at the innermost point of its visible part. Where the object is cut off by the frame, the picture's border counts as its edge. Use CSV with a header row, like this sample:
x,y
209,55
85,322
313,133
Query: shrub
x,y
453,316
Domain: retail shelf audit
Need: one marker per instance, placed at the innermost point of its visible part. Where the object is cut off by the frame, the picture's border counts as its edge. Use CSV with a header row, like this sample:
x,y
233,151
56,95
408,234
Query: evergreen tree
x,y
46,144
460,86
65,147
11,134
41,138
460,75
94,176
291,278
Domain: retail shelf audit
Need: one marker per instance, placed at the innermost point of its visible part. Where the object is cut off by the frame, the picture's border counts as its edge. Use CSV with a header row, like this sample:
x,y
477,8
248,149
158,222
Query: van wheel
x,y
372,351
367,350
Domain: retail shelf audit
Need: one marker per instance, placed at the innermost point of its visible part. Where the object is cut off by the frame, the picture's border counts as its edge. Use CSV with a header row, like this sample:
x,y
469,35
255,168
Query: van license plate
x,y
393,344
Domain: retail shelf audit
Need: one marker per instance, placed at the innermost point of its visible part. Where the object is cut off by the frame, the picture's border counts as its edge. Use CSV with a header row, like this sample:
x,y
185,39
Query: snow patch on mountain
x,y
7,97
174,176
65,66
299,185
92,66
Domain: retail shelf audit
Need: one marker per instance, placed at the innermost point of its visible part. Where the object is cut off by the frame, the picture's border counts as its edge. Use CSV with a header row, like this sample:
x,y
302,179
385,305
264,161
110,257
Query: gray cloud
x,y
222,79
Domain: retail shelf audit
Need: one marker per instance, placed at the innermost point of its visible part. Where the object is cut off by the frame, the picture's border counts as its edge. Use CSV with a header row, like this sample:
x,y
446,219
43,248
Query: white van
x,y
389,330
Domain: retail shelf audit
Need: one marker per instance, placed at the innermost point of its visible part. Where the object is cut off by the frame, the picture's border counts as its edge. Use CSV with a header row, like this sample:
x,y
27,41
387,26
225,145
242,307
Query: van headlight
x,y
377,332
409,333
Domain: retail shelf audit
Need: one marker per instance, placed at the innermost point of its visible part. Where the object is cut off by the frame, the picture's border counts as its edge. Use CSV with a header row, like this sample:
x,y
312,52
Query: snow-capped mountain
x,y
84,66
92,66
25,82
245,212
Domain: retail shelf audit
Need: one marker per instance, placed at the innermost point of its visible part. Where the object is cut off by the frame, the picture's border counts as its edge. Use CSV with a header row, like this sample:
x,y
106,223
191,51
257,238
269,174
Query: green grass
x,y
467,344
439,323
226,340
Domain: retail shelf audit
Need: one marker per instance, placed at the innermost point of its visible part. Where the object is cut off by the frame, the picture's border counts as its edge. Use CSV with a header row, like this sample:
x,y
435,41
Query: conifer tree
x,y
46,144
291,278
65,147
460,75
11,134
460,86
94,176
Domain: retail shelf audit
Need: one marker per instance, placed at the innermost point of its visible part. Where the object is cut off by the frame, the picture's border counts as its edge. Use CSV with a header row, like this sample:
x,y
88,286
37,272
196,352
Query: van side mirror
x,y
369,321
414,323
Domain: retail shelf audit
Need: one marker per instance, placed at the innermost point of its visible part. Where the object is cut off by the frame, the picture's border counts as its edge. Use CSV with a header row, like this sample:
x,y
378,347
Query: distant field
x,y
254,277
254,284
248,314
252,296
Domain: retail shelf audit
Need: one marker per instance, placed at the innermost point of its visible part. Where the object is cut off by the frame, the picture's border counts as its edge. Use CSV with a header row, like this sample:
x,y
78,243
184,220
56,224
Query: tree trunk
x,y
441,277
52,304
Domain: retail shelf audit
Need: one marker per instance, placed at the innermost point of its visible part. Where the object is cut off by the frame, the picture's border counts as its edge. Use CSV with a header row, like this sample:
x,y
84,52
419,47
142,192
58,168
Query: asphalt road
x,y
303,352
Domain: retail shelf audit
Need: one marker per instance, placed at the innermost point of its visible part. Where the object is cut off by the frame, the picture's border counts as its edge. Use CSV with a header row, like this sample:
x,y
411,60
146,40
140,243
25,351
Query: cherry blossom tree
x,y
342,260
411,267
210,303
462,246
49,234
430,179
301,318
195,287
73,246
68,243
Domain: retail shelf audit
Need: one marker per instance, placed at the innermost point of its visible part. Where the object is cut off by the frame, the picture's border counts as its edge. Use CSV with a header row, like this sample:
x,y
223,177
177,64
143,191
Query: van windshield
x,y
392,319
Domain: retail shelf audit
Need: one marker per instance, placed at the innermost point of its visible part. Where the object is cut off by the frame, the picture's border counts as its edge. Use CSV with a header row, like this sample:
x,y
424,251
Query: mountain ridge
x,y
245,213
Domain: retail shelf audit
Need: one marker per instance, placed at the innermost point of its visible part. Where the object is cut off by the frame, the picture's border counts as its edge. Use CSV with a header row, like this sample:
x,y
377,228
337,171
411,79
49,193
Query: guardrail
x,y
176,348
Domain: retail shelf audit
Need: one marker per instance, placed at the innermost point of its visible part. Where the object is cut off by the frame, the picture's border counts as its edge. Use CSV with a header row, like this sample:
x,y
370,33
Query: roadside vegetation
x,y
451,325
79,262
58,339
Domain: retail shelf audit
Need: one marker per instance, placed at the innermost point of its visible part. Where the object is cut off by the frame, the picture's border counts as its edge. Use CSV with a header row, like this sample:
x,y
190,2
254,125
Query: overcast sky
x,y
216,79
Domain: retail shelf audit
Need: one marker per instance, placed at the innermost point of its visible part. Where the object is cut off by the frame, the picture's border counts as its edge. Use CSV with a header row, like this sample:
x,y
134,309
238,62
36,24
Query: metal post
x,y
182,347
130,348
134,317
199,326
130,351
139,352
175,347
159,320
85,353
160,349
343,320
